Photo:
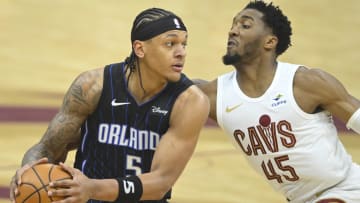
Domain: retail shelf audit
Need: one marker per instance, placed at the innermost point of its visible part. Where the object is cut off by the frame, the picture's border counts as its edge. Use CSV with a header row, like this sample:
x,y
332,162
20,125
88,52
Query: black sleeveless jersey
x,y
121,136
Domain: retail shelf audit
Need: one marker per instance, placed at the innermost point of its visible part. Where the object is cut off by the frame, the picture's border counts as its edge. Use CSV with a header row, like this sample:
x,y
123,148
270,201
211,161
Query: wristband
x,y
130,189
354,122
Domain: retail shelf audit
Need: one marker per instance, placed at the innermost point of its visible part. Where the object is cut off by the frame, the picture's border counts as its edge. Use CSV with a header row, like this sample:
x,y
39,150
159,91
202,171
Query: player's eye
x,y
245,26
169,44
184,44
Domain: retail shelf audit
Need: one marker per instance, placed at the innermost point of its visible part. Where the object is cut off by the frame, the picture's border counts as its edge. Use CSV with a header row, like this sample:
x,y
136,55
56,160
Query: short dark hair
x,y
277,21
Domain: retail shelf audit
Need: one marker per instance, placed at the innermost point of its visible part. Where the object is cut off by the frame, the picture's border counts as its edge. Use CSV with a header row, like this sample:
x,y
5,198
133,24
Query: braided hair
x,y
146,16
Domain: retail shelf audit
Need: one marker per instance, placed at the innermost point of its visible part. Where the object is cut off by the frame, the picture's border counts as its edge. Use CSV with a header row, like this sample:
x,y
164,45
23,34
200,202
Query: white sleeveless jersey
x,y
298,153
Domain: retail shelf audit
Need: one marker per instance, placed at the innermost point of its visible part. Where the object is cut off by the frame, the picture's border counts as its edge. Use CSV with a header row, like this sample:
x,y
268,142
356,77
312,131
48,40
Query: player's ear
x,y
270,42
138,47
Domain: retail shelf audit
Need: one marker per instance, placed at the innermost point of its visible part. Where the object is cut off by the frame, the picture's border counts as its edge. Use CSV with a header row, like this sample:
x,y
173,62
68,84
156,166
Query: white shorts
x,y
347,191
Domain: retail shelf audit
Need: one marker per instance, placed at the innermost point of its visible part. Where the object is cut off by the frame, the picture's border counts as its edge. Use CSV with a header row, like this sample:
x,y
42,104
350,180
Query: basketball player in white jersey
x,y
280,115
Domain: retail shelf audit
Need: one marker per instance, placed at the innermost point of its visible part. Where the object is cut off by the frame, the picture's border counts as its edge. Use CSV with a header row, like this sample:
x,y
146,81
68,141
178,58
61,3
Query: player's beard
x,y
250,51
231,59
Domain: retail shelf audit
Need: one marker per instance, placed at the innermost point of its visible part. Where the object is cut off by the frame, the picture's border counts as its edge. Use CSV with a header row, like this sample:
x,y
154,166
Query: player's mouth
x,y
231,43
178,67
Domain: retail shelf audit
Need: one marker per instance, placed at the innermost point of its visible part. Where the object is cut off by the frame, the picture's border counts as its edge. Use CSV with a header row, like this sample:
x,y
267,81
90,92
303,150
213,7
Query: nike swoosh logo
x,y
114,103
230,109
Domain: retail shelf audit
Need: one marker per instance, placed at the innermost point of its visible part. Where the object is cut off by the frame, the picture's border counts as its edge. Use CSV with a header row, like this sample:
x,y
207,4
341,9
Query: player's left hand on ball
x,y
16,179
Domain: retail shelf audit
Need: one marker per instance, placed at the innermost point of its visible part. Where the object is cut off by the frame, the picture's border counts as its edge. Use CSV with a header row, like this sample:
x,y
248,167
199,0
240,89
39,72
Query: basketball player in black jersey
x,y
133,123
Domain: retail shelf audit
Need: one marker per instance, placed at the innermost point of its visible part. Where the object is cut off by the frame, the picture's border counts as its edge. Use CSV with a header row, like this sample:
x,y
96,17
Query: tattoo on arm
x,y
63,133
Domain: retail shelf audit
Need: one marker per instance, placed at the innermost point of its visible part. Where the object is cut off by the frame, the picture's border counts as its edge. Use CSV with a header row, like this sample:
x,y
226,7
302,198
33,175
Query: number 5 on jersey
x,y
133,163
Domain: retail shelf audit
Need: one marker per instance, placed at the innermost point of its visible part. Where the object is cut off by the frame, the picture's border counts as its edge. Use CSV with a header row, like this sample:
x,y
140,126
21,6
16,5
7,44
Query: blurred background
x,y
45,44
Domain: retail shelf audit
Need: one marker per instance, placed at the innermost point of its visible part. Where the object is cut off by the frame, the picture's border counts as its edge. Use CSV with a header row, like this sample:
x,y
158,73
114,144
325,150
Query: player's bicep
x,y
334,96
317,89
63,133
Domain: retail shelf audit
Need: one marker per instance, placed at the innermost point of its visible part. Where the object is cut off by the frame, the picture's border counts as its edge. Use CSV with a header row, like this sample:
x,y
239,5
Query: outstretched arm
x,y
329,94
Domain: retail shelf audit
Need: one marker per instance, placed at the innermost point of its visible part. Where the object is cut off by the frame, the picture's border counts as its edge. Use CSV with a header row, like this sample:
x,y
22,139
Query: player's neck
x,y
255,78
143,87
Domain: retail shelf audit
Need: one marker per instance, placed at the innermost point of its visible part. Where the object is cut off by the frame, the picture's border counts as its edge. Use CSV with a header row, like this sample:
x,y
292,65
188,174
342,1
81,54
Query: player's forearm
x,y
104,189
40,150
62,135
34,153
155,186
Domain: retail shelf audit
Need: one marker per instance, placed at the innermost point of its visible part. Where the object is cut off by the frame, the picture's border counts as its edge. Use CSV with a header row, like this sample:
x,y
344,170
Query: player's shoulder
x,y
312,77
93,73
319,83
191,102
194,92
90,80
309,72
90,76
193,96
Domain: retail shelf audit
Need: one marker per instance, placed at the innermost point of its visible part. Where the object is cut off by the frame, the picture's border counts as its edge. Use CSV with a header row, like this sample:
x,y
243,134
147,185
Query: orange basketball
x,y
35,183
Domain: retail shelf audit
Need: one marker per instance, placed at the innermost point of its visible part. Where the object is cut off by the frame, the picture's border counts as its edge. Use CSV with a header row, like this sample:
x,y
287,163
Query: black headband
x,y
156,27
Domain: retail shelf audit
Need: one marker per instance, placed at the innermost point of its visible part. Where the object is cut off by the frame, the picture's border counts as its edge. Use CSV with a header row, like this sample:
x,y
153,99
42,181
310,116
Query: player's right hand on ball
x,y
76,190
16,179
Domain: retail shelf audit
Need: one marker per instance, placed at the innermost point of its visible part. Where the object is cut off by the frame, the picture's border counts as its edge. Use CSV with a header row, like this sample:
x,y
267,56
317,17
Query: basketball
x,y
35,183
